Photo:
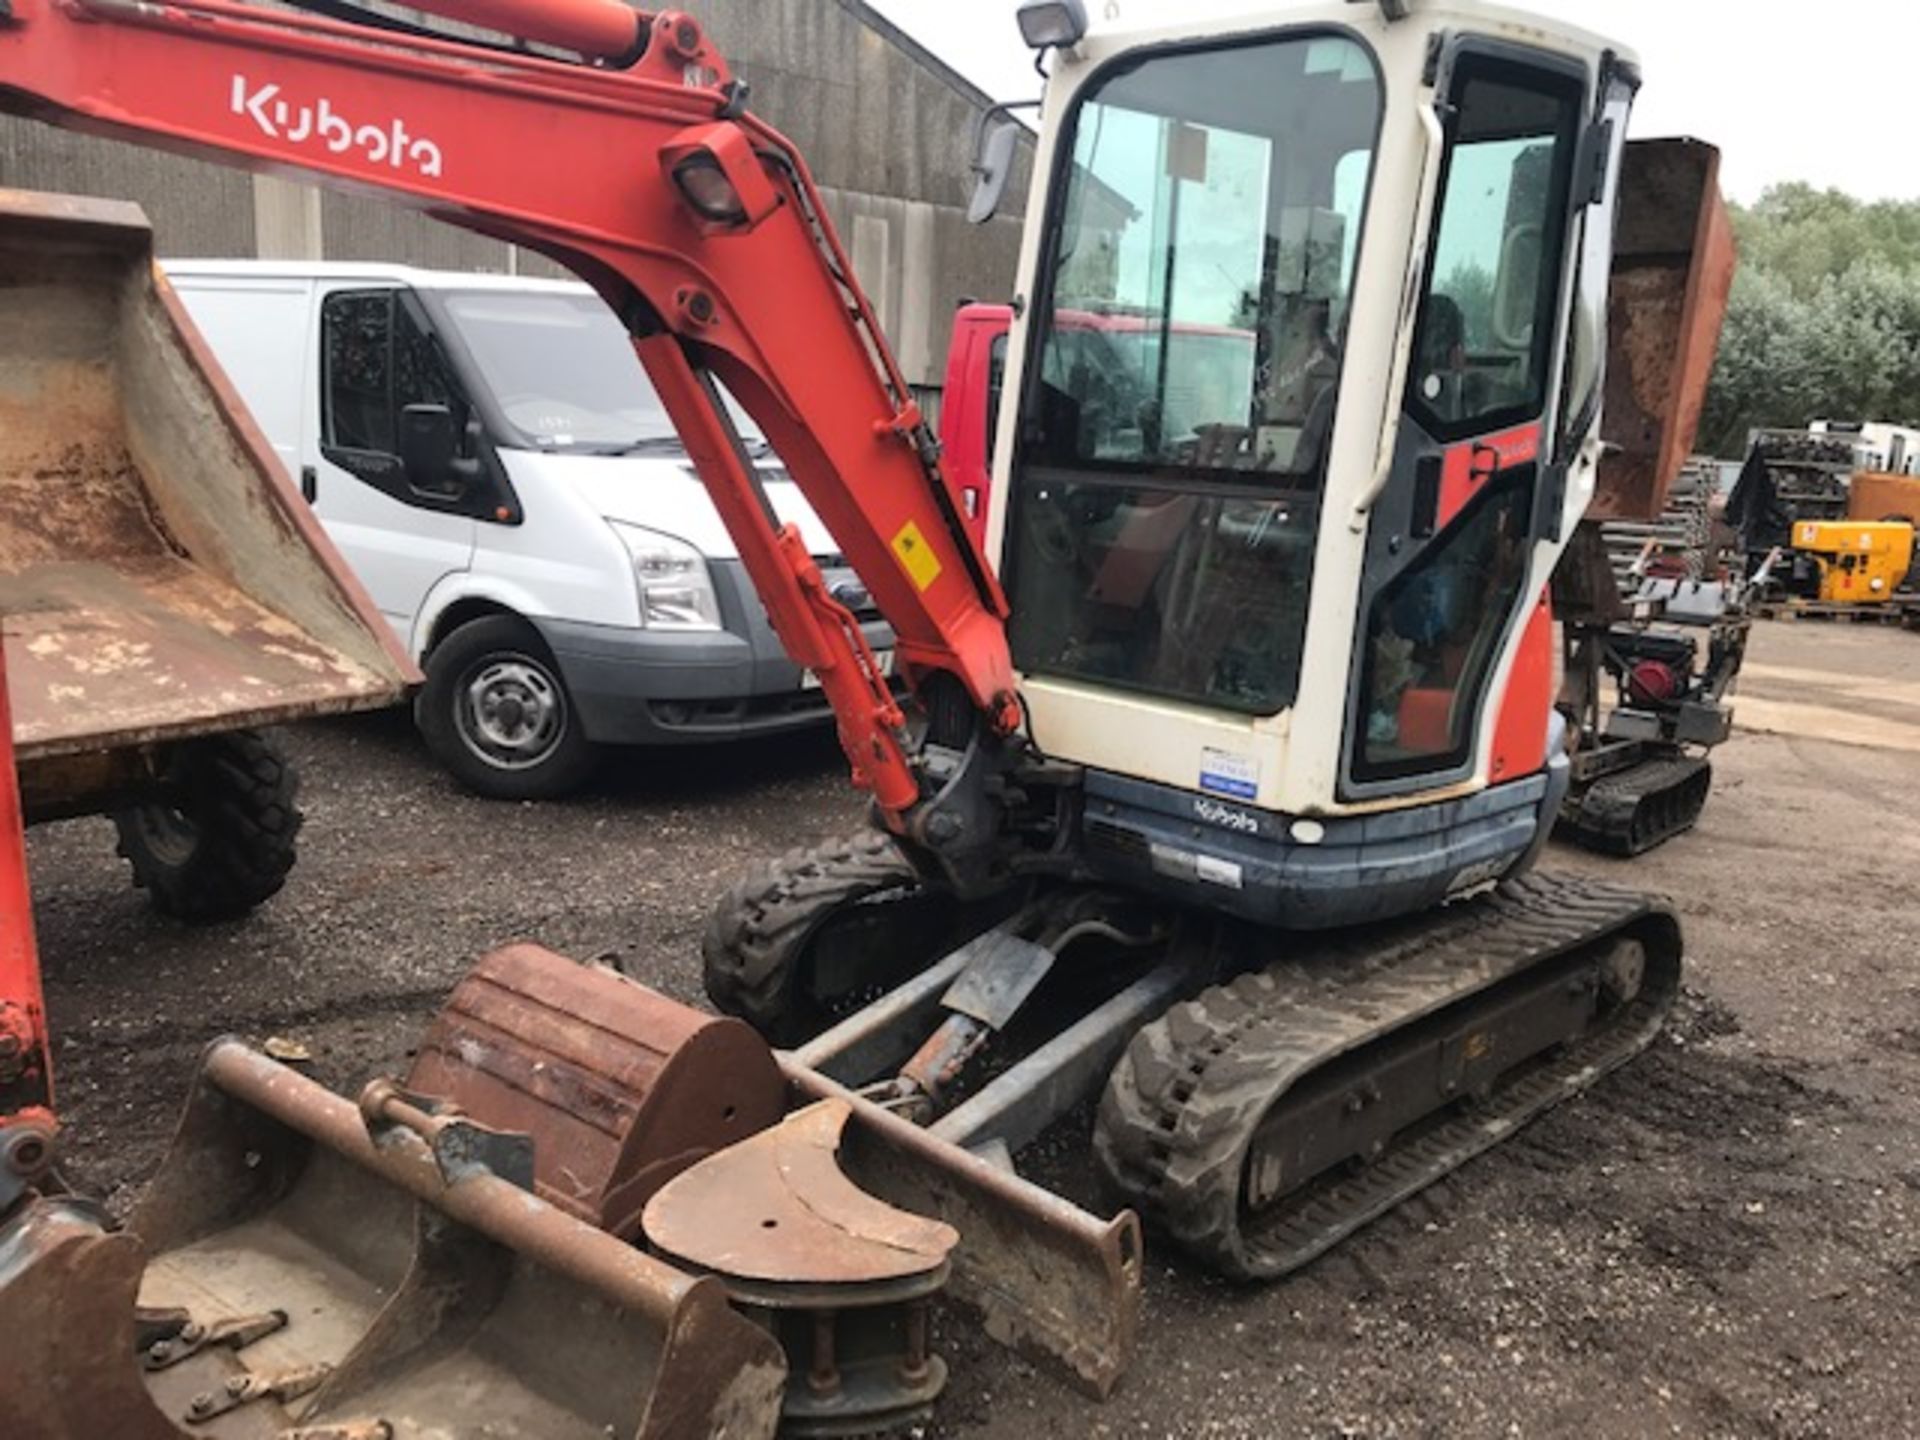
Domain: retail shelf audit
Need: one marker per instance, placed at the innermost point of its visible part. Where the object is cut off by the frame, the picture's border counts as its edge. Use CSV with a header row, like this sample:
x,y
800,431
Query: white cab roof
x,y
1115,24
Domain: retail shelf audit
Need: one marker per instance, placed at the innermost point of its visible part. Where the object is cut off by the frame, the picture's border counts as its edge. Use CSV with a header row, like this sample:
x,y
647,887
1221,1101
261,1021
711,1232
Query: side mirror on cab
x,y
992,167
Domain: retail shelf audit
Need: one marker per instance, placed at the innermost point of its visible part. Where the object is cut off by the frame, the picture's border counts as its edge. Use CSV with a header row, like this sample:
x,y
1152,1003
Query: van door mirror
x,y
429,449
992,168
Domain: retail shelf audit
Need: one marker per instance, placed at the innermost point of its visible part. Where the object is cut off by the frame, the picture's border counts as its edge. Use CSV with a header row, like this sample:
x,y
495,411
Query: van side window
x,y
377,360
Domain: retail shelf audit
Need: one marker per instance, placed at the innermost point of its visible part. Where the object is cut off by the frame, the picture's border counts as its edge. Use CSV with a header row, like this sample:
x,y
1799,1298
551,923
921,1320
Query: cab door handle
x,y
1426,496
309,483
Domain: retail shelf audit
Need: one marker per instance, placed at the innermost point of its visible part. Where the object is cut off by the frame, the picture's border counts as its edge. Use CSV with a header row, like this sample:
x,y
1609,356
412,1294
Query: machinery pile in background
x,y
1827,518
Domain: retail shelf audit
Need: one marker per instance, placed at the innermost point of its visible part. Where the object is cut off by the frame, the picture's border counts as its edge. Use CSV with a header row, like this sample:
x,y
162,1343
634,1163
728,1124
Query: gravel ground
x,y
1723,1239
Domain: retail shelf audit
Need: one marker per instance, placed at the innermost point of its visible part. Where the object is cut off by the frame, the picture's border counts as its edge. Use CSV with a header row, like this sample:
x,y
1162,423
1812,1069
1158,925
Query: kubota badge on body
x,y
321,124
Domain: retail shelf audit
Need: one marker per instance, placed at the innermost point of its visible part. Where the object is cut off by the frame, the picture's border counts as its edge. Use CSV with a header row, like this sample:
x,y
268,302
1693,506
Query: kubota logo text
x,y
321,124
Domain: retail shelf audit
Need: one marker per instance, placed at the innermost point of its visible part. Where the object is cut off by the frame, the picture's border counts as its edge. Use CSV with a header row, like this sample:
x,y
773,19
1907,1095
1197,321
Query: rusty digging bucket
x,y
159,577
305,1269
832,1222
588,1213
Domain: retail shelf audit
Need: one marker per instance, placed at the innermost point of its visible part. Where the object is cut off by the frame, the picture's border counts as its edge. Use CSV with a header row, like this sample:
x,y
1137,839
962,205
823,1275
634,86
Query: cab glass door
x,y
1451,544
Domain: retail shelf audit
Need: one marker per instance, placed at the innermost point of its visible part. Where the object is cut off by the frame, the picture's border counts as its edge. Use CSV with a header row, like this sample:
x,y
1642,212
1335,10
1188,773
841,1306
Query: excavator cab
x,y
1309,372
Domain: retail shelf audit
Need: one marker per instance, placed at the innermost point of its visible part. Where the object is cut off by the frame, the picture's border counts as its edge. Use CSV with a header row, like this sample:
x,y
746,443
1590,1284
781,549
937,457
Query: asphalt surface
x,y
1723,1239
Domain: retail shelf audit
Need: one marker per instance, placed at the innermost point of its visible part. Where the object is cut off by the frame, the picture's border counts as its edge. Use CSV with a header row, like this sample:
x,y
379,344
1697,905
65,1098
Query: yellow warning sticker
x,y
916,556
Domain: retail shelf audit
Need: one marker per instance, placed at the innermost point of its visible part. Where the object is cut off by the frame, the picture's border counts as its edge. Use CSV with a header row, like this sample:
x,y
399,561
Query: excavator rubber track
x,y
1640,808
1298,1063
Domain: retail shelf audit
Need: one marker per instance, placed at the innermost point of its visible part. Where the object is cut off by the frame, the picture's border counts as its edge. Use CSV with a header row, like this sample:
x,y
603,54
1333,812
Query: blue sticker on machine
x,y
1224,773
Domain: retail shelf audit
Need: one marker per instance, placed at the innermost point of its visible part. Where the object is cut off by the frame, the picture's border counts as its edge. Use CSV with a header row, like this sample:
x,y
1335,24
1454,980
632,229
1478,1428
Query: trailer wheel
x,y
495,711
218,837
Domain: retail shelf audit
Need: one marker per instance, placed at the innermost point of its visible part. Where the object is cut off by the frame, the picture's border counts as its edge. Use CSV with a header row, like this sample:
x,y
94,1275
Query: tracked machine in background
x,y
1657,616
1217,817
1653,634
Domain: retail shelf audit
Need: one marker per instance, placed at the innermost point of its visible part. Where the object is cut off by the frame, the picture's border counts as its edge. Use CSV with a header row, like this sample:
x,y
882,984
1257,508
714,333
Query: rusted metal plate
x,y
1673,271
620,1087
158,576
778,1208
442,1307
69,1369
132,650
844,1280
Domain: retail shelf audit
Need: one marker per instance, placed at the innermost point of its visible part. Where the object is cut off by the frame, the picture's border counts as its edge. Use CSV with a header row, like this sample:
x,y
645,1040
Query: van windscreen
x,y
562,371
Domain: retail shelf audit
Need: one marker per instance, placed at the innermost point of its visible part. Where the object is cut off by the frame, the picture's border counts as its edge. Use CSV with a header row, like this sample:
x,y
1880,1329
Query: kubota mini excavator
x,y
1226,818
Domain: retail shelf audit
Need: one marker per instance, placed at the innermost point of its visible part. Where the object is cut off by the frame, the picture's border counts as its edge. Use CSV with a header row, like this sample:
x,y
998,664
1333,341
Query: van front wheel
x,y
495,711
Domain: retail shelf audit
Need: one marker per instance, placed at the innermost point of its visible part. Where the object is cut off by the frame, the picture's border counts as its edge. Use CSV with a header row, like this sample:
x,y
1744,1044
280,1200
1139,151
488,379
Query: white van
x,y
488,454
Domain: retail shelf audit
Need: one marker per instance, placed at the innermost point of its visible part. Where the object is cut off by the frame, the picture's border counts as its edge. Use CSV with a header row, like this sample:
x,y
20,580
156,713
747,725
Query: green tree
x,y
1824,320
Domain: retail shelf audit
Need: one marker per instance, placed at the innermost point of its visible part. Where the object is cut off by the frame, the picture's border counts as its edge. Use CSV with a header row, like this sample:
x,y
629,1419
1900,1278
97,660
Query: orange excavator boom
x,y
638,167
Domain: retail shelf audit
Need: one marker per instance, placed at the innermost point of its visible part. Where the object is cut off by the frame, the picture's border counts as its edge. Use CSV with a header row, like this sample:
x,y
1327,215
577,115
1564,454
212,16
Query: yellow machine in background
x,y
1854,562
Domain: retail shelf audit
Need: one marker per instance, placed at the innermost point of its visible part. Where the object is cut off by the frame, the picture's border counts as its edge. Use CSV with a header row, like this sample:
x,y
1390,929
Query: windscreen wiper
x,y
644,445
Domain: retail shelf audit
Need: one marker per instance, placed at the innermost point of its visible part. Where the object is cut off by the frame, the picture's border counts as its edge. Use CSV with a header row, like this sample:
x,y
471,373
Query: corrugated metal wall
x,y
887,130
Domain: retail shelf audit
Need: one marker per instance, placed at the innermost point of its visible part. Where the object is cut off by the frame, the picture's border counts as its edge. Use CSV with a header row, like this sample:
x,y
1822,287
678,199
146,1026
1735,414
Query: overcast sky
x,y
1789,91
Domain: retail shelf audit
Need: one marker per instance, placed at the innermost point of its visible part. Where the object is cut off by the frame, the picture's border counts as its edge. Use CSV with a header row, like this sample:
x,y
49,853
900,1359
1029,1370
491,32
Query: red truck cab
x,y
970,408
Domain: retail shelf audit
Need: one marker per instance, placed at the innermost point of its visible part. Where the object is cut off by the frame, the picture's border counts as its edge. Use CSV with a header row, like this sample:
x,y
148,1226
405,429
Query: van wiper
x,y
667,445
645,445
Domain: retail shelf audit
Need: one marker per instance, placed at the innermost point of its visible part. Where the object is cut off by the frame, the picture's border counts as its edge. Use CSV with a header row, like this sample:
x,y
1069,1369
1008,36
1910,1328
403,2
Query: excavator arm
x,y
637,166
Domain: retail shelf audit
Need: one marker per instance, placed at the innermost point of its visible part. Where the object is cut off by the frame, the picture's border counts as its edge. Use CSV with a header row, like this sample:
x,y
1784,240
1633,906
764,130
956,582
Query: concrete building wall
x,y
886,128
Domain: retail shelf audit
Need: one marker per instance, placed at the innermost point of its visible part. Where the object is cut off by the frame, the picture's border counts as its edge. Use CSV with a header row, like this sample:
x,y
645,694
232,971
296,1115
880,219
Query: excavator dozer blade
x,y
1054,1282
311,1270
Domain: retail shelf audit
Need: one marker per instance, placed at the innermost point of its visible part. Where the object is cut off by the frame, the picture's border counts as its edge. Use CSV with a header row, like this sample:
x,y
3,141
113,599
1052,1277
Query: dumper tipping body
x,y
159,579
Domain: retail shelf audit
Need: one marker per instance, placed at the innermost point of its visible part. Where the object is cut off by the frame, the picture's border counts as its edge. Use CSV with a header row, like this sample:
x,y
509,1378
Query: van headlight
x,y
676,588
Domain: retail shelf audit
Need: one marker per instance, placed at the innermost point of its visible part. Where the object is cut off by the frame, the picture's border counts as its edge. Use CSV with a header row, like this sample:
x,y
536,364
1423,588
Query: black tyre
x,y
496,712
218,838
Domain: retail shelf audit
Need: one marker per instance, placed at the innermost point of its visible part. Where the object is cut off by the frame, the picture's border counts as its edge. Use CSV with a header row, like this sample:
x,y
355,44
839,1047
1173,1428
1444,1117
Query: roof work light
x,y
1053,24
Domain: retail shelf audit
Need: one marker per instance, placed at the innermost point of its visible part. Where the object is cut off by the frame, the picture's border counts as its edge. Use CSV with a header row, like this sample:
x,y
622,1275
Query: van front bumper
x,y
678,687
